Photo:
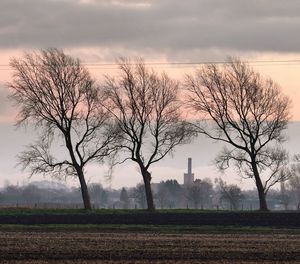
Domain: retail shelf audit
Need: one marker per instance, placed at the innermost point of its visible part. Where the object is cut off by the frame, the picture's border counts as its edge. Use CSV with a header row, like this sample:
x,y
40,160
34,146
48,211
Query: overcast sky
x,y
162,26
158,30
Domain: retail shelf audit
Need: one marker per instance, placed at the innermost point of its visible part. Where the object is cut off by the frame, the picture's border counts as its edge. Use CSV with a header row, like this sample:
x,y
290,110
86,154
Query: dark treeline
x,y
202,194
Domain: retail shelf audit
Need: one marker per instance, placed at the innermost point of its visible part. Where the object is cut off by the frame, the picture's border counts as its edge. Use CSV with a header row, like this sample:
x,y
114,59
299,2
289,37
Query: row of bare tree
x,y
143,115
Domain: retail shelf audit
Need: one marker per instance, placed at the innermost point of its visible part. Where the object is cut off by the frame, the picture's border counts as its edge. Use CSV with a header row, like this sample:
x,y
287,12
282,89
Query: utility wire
x,y
111,66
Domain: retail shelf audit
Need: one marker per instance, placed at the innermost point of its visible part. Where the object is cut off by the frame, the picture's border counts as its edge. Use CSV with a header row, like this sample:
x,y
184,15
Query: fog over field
x,y
202,151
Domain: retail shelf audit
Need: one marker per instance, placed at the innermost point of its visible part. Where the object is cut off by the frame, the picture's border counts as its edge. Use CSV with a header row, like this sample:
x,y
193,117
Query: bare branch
x,y
57,94
240,108
147,110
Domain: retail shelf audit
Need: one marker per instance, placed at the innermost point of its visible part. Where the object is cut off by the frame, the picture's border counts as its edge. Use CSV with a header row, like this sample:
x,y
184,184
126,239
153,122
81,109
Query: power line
x,y
196,63
110,66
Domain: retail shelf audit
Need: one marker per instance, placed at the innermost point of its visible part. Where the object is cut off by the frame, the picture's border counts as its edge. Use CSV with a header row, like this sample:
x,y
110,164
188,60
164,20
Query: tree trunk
x,y
84,190
148,191
260,189
79,171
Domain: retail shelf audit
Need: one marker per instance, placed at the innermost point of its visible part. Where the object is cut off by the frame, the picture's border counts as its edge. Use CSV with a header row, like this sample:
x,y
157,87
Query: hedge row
x,y
276,219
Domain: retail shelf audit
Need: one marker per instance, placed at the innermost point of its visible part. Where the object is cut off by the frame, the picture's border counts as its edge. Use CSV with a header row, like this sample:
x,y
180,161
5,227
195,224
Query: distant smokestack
x,y
188,178
189,165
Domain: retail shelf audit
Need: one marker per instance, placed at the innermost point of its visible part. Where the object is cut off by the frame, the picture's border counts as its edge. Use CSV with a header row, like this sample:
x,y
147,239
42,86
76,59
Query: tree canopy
x,y
249,113
54,92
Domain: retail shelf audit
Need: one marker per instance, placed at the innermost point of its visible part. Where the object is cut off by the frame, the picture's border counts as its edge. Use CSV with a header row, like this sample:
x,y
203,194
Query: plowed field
x,y
131,247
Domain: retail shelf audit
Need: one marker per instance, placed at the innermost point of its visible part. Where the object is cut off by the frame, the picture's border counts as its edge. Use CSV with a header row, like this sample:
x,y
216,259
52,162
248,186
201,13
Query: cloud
x,y
160,26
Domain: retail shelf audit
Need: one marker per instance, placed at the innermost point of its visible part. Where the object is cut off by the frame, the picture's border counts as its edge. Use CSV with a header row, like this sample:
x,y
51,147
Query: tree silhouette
x,y
57,94
124,198
230,193
139,195
146,107
198,193
240,108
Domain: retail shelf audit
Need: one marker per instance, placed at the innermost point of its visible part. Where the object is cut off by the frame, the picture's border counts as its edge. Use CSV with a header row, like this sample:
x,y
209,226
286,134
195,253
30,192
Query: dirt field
x,y
131,247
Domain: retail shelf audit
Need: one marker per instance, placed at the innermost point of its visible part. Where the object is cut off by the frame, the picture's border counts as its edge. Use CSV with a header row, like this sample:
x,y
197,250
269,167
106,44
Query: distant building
x,y
189,176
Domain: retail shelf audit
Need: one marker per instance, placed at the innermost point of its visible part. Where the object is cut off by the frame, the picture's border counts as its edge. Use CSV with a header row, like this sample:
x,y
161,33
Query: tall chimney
x,y
188,178
190,166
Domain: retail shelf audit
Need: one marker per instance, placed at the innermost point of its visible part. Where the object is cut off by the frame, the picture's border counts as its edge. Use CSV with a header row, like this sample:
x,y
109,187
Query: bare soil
x,y
131,247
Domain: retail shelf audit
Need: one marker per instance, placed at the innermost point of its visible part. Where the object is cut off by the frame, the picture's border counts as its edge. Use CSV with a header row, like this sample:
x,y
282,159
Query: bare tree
x,y
98,195
139,195
247,112
198,193
293,183
57,94
31,194
124,198
146,107
194,194
284,196
230,193
162,197
169,194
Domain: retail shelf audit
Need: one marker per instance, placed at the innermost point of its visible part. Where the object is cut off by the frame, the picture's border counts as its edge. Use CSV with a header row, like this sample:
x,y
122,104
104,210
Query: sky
x,y
263,32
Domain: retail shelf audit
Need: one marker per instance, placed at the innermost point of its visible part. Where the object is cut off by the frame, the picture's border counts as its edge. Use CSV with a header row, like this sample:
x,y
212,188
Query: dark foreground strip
x,y
276,219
